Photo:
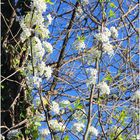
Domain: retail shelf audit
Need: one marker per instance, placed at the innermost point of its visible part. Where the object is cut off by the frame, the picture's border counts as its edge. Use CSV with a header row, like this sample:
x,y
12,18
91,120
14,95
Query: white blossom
x,y
44,132
48,47
40,5
38,50
12,134
65,102
54,124
41,68
37,81
78,127
61,126
93,131
26,31
25,34
50,19
55,107
108,48
136,95
92,76
106,32
57,126
79,45
114,32
37,19
48,72
102,37
37,45
42,31
104,88
33,80
32,19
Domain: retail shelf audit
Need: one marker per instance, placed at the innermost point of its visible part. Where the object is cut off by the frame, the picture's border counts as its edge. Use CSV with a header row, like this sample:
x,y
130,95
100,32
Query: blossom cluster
x,y
104,88
57,126
44,132
92,76
93,131
35,32
78,127
136,95
104,37
55,107
79,45
12,134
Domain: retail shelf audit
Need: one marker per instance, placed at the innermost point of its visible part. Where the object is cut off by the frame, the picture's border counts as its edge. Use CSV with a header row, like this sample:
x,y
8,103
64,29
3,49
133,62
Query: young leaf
x,y
66,137
111,13
108,78
48,1
112,5
80,106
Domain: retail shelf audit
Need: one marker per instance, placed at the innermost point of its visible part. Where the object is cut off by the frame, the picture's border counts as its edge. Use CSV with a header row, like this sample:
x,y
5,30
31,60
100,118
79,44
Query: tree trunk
x,y
13,102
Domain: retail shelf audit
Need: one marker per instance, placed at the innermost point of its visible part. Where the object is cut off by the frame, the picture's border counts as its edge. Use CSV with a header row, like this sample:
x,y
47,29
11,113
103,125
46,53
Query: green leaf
x,y
66,137
77,102
80,106
48,1
27,131
81,38
101,0
112,5
108,78
70,108
120,137
111,13
37,123
123,114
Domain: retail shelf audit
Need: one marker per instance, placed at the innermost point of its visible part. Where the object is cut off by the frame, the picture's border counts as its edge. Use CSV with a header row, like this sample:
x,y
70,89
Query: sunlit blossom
x,y
40,5
78,127
104,88
48,72
93,131
44,132
114,32
57,126
55,107
79,45
48,47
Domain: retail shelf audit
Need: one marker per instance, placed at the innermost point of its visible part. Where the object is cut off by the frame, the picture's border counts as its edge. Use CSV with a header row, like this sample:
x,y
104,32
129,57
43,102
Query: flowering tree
x,y
70,70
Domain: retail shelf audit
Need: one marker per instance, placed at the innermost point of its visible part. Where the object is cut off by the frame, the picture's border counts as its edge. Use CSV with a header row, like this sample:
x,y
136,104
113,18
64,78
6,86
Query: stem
x,y
90,108
46,114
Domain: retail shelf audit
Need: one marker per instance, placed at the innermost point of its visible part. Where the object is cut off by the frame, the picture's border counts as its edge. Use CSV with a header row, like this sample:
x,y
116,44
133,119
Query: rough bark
x,y
13,102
